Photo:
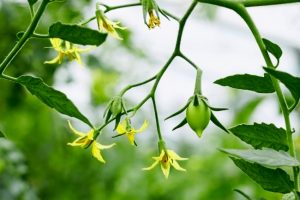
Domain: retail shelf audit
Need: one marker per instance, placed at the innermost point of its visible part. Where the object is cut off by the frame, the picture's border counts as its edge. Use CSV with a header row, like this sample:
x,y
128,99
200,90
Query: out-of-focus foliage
x,y
13,171
36,163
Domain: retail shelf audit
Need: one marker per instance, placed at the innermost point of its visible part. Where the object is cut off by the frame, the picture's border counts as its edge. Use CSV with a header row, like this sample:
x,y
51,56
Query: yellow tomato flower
x,y
65,48
166,160
153,19
125,128
86,139
107,26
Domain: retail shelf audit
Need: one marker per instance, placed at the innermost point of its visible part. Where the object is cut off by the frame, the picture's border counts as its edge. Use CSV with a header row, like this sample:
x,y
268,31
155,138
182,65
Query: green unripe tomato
x,y
198,116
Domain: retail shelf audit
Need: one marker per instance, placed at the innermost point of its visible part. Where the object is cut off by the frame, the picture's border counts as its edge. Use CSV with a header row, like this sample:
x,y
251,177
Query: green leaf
x,y
273,180
265,157
291,82
214,119
32,2
2,135
51,97
262,135
273,48
76,34
248,82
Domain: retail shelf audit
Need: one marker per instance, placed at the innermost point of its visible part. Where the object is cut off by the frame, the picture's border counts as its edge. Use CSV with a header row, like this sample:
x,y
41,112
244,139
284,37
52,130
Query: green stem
x,y
281,99
247,3
252,3
182,23
177,51
189,61
136,85
156,119
25,37
198,82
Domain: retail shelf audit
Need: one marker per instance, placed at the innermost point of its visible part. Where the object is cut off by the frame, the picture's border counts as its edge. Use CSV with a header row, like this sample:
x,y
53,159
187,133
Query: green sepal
x,y
117,121
217,109
107,108
108,115
214,119
181,124
180,110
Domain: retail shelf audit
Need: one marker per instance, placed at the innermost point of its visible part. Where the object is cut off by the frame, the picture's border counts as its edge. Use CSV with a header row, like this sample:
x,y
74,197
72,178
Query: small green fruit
x,y
198,115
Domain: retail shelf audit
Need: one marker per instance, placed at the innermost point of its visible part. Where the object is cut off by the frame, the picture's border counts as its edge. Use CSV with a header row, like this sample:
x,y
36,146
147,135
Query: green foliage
x,y
248,82
273,48
274,180
76,34
13,172
290,81
262,135
265,157
51,97
39,136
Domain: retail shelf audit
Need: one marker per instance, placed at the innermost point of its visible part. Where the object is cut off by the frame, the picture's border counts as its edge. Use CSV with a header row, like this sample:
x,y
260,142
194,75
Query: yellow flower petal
x,y
75,131
130,137
151,166
121,128
90,134
175,164
56,43
143,127
96,152
165,170
174,156
106,146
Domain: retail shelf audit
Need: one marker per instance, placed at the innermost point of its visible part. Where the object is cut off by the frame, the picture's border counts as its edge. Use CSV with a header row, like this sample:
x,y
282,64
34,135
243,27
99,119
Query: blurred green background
x,y
36,163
